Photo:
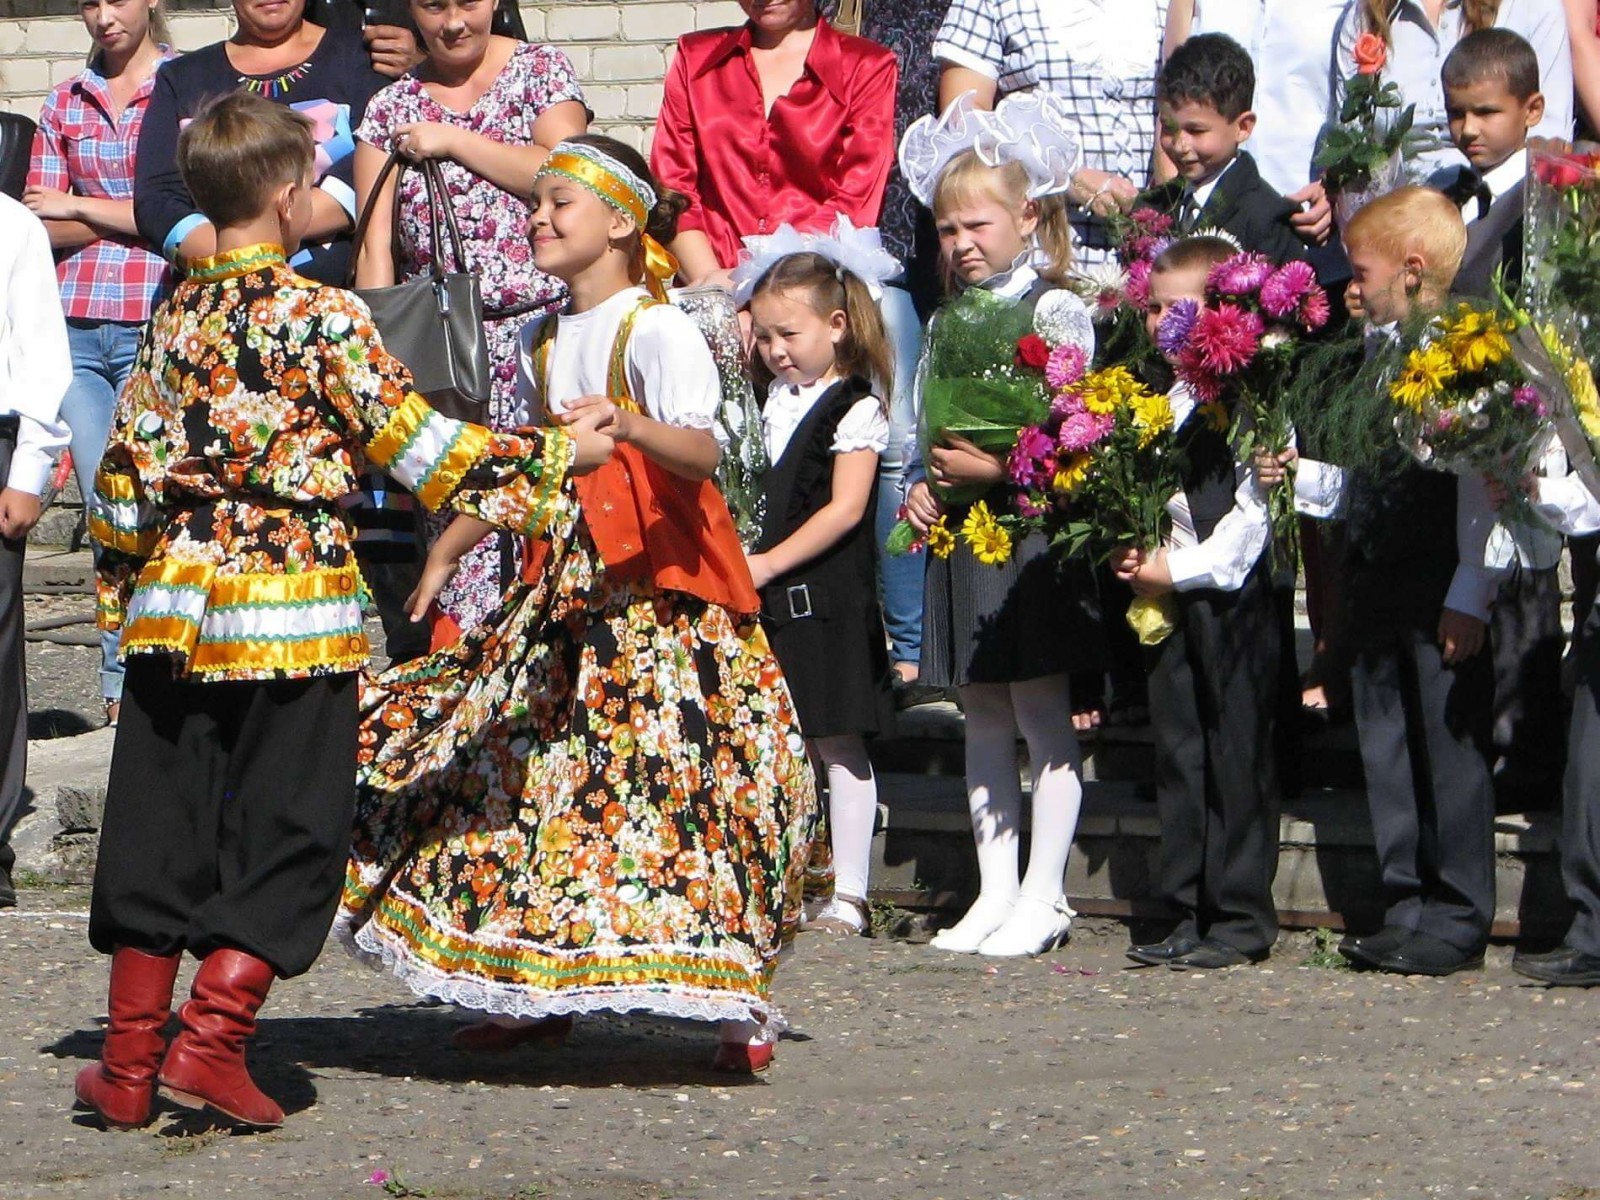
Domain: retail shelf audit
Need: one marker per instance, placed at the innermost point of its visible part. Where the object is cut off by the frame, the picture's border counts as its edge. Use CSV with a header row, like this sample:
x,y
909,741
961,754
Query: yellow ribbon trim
x,y
176,573
468,446
559,451
342,652
659,264
410,415
324,583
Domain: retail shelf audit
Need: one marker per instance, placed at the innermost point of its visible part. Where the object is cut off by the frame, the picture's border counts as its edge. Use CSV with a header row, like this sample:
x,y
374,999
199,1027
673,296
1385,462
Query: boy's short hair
x,y
1210,69
238,151
1194,253
1493,54
1413,220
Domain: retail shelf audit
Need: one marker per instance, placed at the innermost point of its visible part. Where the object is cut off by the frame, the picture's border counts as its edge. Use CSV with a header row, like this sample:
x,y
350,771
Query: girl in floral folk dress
x,y
599,799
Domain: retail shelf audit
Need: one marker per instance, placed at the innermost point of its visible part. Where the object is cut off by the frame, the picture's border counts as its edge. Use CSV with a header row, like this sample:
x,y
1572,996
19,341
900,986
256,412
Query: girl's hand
x,y
436,573
594,444
49,204
955,462
1272,469
1460,636
1146,574
600,413
760,570
923,508
425,139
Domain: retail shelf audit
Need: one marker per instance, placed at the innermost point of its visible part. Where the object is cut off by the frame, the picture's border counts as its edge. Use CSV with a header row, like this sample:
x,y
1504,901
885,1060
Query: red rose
x,y
1371,52
1032,353
1558,171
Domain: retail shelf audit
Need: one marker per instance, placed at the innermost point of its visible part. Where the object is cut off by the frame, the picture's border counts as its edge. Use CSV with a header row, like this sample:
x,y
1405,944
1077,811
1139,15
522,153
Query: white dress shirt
x,y
1419,50
1567,504
1291,44
35,362
669,367
1198,196
864,427
1226,558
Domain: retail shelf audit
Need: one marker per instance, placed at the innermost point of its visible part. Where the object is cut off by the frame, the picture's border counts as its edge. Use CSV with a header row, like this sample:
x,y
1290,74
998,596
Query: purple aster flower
x,y
1173,329
1241,275
1138,289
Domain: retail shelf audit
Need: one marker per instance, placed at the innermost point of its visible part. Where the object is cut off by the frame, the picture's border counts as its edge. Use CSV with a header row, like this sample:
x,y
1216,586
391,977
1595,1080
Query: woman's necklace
x,y
275,87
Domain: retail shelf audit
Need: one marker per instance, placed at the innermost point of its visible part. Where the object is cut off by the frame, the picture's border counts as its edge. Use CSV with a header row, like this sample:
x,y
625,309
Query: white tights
x,y
852,810
1041,710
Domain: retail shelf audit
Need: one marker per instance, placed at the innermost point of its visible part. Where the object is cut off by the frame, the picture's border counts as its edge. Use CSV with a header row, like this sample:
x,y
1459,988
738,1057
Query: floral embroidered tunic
x,y
257,398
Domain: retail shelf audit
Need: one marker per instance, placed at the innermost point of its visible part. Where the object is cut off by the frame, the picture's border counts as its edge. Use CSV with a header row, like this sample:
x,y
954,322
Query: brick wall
x,y
620,48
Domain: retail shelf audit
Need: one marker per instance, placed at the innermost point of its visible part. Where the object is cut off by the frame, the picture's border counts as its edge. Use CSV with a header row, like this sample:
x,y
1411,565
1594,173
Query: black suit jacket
x,y
1242,205
1494,241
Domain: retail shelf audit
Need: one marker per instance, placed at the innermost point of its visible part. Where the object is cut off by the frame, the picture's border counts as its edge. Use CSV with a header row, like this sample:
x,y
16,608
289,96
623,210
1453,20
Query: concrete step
x,y
1327,872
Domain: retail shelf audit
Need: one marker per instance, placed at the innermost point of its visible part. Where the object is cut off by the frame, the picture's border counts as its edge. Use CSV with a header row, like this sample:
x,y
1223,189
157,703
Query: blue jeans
x,y
102,360
899,579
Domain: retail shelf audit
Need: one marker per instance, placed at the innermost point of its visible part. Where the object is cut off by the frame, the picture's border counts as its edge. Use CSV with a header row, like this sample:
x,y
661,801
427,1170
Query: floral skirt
x,y
598,800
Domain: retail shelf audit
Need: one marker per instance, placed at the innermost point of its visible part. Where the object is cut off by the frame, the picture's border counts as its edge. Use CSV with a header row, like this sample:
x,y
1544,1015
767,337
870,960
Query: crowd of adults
x,y
785,119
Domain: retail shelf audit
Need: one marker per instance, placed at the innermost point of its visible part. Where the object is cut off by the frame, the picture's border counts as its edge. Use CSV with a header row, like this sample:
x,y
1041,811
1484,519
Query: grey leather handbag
x,y
434,323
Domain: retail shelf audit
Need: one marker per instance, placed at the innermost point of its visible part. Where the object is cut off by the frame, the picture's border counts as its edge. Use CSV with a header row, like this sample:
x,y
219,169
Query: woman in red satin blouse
x,y
782,119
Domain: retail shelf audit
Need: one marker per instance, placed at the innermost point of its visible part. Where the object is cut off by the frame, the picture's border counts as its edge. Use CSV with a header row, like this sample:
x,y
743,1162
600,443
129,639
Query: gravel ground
x,y
909,1074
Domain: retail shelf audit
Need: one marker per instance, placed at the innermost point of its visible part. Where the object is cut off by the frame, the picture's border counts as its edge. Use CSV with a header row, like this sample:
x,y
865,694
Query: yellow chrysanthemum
x,y
1585,397
1070,475
1483,350
1108,390
1426,373
1152,416
940,540
988,538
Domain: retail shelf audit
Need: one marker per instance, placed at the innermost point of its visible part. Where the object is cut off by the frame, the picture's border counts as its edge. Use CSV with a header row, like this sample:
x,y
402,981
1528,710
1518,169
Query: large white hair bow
x,y
858,251
1033,129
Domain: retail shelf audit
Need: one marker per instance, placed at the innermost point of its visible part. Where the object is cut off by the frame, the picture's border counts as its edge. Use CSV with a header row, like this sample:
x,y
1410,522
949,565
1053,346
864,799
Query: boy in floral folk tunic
x,y
228,569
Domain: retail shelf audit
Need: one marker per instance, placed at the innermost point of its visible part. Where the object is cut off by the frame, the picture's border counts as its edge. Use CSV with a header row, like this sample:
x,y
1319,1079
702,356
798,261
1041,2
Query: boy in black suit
x,y
1205,91
1492,100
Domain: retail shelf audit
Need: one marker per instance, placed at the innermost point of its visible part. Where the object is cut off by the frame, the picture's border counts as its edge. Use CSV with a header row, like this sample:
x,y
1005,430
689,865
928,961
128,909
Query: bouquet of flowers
x,y
1462,402
1097,473
1364,153
1243,341
1116,293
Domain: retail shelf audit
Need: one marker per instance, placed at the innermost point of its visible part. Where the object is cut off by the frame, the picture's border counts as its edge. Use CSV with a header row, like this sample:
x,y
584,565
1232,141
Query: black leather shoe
x,y
1369,949
1158,954
1424,954
1212,955
1565,967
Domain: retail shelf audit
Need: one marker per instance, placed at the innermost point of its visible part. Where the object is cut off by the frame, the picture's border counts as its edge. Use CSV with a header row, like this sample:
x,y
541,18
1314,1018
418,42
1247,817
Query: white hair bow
x,y
858,251
1033,129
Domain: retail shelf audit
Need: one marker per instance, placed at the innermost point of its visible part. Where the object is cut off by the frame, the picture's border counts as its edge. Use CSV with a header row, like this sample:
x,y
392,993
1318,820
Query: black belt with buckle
x,y
793,602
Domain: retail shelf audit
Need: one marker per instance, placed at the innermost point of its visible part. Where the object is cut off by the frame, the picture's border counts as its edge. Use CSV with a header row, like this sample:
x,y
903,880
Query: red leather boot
x,y
121,1086
205,1066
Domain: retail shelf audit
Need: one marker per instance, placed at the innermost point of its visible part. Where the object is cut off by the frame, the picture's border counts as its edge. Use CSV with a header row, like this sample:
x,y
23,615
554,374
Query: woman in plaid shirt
x,y
80,183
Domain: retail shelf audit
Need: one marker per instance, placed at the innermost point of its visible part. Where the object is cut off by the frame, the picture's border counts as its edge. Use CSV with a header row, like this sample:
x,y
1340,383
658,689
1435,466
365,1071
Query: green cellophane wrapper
x,y
1561,296
970,384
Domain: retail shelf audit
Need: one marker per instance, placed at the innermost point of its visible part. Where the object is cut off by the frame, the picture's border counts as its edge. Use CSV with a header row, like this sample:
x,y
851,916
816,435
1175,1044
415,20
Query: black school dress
x,y
823,618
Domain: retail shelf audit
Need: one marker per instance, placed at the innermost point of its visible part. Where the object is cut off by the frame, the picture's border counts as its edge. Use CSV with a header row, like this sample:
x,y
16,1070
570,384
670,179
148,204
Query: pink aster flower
x,y
1225,338
1151,220
1084,429
1241,275
1314,311
1203,385
1026,464
1527,396
1065,367
1138,290
1065,405
1286,287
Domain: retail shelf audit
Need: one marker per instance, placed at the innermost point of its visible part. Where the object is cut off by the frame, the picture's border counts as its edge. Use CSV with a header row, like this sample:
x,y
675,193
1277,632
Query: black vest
x,y
1403,551
1209,472
798,486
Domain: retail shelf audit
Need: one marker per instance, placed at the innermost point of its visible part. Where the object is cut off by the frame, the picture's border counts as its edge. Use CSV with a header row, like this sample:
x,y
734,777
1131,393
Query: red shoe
x,y
205,1066
121,1086
737,1058
488,1037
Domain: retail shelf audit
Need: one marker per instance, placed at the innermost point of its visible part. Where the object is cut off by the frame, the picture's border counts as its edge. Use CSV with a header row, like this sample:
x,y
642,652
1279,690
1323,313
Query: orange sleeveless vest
x,y
648,524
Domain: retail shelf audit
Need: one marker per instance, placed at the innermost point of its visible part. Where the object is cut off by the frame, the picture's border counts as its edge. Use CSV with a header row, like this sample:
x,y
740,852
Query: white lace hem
x,y
390,954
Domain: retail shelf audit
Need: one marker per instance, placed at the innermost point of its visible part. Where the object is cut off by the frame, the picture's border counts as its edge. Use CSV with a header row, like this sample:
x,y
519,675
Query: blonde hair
x,y
1378,16
827,289
238,151
1413,220
968,179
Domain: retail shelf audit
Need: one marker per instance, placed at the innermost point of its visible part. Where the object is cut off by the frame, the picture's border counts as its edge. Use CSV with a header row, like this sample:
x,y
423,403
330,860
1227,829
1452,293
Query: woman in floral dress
x,y
488,108
599,799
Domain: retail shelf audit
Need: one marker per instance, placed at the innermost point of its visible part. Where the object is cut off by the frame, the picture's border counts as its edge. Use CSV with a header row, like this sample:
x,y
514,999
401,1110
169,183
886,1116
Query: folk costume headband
x,y
857,251
619,187
1032,129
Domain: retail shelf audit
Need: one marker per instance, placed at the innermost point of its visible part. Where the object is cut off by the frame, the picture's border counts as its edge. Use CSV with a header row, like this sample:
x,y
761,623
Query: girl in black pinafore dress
x,y
820,336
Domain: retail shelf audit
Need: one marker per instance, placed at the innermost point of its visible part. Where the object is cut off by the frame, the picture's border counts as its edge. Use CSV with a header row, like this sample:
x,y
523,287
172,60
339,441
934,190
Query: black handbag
x,y
434,323
16,144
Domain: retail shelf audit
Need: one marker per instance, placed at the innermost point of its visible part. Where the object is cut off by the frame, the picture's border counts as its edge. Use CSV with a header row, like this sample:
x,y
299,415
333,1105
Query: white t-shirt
x,y
35,361
862,428
669,367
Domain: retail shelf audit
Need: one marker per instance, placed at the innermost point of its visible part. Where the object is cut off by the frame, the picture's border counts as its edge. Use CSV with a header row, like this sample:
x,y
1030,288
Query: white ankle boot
x,y
1034,927
987,914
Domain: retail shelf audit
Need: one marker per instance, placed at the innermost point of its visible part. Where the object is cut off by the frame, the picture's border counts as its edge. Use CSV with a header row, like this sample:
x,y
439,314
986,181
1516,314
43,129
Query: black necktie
x,y
1189,213
1473,187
